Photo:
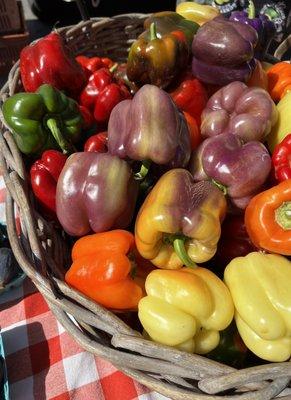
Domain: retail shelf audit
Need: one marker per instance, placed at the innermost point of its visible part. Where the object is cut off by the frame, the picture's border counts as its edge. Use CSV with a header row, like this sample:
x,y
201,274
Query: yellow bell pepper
x,y
260,288
195,12
185,308
283,126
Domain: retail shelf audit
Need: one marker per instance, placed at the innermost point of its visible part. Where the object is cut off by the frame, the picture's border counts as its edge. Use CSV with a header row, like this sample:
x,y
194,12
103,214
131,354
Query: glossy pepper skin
x,y
199,13
194,131
44,175
248,113
95,192
281,159
262,24
260,288
279,78
149,127
185,309
169,21
233,62
239,169
49,61
190,96
43,120
97,143
102,93
101,269
258,77
157,61
92,64
179,210
283,126
268,220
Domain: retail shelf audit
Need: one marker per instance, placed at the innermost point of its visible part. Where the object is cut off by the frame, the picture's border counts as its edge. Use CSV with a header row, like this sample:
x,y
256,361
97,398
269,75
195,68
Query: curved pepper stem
x,y
220,186
251,10
283,216
144,169
59,137
179,246
153,31
113,68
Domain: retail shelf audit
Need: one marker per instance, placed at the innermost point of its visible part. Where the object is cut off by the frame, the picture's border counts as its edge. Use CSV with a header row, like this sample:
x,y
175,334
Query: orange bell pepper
x,y
194,131
101,269
268,219
279,77
259,77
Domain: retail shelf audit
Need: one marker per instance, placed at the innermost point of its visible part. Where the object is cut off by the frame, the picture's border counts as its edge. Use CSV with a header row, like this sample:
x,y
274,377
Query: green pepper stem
x,y
251,10
283,215
153,31
179,246
144,169
59,137
220,186
113,68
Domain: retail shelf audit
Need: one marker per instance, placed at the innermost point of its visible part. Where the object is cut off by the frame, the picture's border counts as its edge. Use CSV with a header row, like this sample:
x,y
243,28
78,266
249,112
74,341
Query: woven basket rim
x,y
40,253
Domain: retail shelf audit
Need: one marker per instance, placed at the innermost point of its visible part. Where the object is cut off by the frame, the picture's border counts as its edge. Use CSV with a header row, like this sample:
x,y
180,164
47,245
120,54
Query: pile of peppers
x,y
171,174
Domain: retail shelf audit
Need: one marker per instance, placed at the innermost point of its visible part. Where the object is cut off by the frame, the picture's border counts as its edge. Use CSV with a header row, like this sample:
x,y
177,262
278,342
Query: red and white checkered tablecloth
x,y
44,362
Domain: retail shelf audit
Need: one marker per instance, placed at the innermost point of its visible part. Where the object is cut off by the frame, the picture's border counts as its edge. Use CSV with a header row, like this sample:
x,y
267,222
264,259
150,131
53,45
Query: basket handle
x,y
283,48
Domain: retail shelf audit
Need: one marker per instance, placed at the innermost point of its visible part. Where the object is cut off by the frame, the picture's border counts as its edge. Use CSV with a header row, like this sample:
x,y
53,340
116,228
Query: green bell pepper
x,y
43,120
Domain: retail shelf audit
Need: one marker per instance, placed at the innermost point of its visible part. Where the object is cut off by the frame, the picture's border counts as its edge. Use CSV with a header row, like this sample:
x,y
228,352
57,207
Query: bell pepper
x,y
234,241
43,120
88,119
199,13
92,64
120,74
97,143
258,77
282,159
101,269
240,170
268,219
102,93
262,24
179,222
233,62
190,96
49,61
283,126
248,113
260,288
95,192
194,131
44,175
167,22
157,61
185,309
149,128
279,78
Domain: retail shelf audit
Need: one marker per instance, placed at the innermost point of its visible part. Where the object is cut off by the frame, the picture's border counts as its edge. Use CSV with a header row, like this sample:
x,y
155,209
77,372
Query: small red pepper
x,y
92,64
190,96
281,159
102,93
97,143
194,131
44,175
88,119
49,61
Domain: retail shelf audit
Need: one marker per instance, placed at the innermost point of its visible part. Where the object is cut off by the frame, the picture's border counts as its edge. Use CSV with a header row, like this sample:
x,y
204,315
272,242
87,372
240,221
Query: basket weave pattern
x,y
42,252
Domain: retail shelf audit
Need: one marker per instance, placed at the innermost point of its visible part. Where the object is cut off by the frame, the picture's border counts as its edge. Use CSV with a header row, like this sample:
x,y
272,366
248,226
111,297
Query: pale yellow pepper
x,y
260,288
185,308
195,12
283,126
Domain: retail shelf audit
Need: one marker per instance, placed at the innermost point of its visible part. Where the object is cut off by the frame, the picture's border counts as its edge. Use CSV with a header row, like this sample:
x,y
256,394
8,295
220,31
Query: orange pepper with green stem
x,y
268,219
102,267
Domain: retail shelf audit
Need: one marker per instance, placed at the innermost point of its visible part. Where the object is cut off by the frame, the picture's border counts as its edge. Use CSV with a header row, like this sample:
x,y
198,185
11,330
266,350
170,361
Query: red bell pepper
x,y
88,119
102,93
194,131
190,96
92,64
49,61
281,159
44,175
97,143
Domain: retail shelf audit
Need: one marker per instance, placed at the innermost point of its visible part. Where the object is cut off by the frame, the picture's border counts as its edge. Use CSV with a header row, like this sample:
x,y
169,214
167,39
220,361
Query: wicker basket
x,y
42,253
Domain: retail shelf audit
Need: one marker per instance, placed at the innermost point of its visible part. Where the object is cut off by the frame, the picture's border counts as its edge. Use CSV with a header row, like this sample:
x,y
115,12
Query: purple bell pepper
x,y
238,169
